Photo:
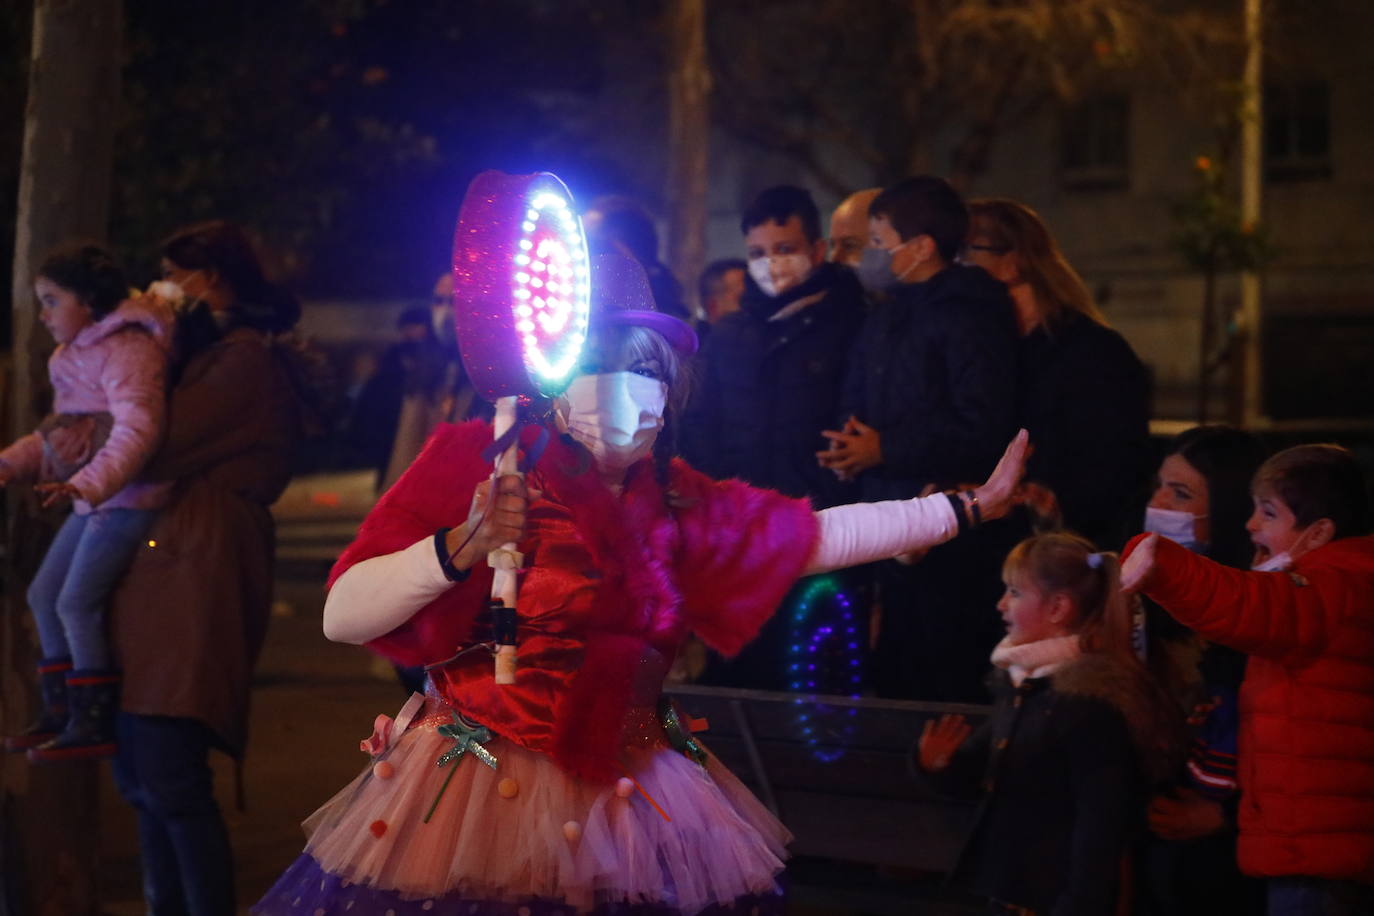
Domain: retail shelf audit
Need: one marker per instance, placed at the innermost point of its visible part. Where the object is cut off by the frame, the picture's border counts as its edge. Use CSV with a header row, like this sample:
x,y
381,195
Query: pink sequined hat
x,y
621,297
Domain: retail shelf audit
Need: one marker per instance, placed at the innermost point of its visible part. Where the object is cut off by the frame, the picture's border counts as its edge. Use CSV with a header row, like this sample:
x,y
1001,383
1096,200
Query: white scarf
x,y
1035,659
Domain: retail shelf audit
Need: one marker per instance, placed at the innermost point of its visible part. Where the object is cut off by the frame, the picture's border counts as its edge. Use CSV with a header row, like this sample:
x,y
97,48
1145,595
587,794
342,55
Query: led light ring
x,y
823,617
521,285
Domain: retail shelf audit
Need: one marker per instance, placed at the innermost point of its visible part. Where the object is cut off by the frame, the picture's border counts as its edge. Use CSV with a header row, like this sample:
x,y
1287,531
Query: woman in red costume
x,y
563,793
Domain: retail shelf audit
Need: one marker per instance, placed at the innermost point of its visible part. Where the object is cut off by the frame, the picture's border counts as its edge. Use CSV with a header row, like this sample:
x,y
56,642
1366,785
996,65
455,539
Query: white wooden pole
x,y
506,560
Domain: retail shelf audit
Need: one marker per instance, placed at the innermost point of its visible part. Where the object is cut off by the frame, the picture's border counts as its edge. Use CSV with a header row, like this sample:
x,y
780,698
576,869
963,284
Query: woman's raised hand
x,y
996,496
939,740
490,524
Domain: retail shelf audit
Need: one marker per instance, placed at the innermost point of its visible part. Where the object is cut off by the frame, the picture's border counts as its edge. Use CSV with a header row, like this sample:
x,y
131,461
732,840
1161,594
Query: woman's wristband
x,y
451,573
960,514
973,506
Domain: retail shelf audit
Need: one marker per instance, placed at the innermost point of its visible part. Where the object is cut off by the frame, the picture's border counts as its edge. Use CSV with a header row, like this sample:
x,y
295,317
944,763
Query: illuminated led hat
x,y
621,297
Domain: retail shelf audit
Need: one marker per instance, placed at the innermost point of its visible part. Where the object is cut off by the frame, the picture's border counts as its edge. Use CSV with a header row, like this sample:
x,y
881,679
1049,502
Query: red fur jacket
x,y
1306,705
610,588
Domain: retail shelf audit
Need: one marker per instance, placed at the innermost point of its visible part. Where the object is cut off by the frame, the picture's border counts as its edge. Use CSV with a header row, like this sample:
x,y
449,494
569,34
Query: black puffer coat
x,y
934,371
766,388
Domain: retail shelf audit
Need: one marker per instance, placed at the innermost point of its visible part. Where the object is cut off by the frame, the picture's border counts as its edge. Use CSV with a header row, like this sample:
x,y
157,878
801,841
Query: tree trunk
x,y
689,138
50,838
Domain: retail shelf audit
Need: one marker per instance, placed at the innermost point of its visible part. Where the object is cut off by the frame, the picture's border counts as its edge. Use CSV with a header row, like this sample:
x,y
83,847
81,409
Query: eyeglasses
x,y
998,250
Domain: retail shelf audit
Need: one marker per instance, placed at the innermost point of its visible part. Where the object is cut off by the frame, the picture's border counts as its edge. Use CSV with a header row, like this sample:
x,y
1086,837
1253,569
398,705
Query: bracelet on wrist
x,y
973,507
451,573
957,505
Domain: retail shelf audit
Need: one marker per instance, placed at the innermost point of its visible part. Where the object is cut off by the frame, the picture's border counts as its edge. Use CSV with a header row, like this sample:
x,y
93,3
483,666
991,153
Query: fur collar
x,y
1035,659
638,620
1154,721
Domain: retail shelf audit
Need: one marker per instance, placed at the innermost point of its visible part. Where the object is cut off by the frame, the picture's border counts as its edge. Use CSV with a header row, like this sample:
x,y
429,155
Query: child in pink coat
x,y
108,377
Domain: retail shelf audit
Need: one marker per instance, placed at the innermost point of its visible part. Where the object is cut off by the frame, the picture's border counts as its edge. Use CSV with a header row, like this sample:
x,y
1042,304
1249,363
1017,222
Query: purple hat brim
x,y
677,332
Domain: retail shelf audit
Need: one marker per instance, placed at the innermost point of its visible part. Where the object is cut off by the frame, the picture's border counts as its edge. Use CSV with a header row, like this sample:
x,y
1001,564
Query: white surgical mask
x,y
1174,524
1279,562
778,273
1282,561
616,415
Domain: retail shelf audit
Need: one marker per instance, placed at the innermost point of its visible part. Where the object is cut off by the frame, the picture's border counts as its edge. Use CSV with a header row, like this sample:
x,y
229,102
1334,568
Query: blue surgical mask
x,y
1174,524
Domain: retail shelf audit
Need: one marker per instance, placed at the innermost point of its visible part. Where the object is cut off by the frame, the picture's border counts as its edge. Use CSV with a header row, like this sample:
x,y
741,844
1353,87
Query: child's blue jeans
x,y
74,582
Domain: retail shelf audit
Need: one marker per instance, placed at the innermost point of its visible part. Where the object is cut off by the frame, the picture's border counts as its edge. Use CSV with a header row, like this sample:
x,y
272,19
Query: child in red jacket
x,y
1305,615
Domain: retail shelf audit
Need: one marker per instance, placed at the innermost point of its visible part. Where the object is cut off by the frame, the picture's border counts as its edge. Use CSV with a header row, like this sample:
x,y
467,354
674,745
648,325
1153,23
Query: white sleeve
x,y
865,532
376,596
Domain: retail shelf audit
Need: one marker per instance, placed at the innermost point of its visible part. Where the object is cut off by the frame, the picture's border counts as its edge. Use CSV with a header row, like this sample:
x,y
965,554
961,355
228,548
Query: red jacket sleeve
x,y
435,492
1282,616
742,549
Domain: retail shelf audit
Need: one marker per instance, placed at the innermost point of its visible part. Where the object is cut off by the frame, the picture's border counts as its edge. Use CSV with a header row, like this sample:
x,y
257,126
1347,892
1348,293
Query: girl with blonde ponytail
x,y
1077,738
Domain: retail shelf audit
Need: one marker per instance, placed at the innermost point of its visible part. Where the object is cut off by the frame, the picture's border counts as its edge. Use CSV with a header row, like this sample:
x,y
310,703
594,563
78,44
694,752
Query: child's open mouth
x,y
1262,553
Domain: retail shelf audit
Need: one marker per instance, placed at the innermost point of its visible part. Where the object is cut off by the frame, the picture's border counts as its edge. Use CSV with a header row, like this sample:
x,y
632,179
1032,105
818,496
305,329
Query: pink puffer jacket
x,y
118,365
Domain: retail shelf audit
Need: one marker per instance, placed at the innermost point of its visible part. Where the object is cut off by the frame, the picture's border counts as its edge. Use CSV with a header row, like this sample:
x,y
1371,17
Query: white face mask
x,y
1279,562
1174,524
1283,561
616,415
777,274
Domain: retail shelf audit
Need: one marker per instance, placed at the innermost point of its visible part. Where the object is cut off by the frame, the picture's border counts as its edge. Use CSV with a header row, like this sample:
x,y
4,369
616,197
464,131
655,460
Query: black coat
x,y
934,372
1085,397
766,388
1063,767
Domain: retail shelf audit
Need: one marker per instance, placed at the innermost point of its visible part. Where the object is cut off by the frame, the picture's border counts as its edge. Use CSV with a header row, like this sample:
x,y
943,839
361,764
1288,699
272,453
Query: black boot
x,y
52,684
93,698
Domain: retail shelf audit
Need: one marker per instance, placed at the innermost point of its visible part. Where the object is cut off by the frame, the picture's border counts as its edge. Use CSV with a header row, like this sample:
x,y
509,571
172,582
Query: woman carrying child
x,y
1078,734
190,617
565,792
109,400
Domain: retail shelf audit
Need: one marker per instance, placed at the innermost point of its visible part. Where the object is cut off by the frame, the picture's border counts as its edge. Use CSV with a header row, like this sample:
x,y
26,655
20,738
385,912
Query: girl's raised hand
x,y
995,497
939,741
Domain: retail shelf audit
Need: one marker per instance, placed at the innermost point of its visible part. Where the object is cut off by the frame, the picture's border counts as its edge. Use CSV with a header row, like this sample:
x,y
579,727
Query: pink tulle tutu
x,y
687,836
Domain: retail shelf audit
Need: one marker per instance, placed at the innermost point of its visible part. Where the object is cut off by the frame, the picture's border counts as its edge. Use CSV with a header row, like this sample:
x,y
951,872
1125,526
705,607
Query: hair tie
x,y
1094,561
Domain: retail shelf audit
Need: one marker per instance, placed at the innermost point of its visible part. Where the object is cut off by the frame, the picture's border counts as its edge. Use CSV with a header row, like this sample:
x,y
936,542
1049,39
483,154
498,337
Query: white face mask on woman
x,y
1174,524
616,415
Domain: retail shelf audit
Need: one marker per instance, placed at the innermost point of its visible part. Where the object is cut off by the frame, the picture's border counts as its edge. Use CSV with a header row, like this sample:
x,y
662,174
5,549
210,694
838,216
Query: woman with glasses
x,y
1081,391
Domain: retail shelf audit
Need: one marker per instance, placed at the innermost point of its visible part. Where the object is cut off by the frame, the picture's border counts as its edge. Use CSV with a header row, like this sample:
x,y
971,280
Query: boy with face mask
x,y
770,381
929,395
771,373
1305,617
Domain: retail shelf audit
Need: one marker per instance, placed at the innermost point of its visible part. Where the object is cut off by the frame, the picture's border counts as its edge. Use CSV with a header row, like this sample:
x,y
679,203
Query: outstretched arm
x,y
1271,614
865,532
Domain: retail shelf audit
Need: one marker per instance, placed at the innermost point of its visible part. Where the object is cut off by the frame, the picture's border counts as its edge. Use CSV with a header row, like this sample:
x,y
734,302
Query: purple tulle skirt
x,y
308,890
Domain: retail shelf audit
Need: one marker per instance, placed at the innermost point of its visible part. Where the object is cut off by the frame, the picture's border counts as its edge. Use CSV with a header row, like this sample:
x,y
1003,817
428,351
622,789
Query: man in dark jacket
x,y
770,381
929,402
